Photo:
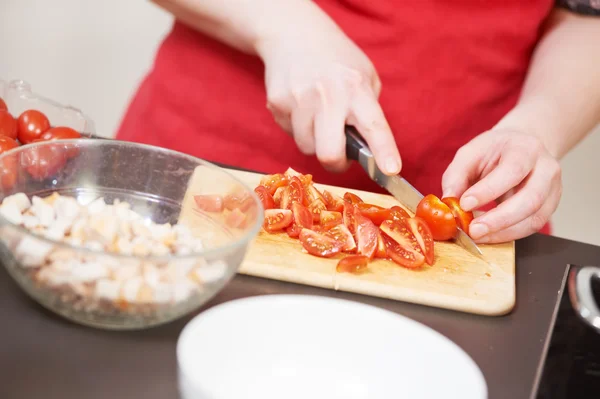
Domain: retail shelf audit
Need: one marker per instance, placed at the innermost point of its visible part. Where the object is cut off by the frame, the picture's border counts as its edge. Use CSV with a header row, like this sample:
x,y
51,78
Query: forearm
x,y
560,101
246,24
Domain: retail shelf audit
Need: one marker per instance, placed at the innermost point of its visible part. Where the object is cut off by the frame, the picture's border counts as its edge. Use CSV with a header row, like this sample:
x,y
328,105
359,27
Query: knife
x,y
358,150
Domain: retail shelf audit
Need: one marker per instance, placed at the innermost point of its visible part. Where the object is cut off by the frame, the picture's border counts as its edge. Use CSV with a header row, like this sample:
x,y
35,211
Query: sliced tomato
x,y
278,196
294,192
350,217
333,202
366,236
302,220
273,182
319,244
438,217
352,198
277,219
342,235
381,252
312,194
423,236
352,264
400,231
304,179
293,230
404,255
375,213
239,199
398,213
331,218
463,219
266,199
236,219
209,203
315,208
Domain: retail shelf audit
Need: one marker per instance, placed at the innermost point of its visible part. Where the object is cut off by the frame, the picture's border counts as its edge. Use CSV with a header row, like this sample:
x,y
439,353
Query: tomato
x,y
293,230
319,244
375,213
266,199
44,161
423,236
312,194
302,220
3,106
352,264
342,235
60,133
380,252
31,125
366,236
8,125
352,198
235,219
273,182
277,219
7,144
8,172
304,179
463,219
278,195
331,218
401,232
350,216
294,192
239,199
398,213
403,255
209,203
438,217
333,202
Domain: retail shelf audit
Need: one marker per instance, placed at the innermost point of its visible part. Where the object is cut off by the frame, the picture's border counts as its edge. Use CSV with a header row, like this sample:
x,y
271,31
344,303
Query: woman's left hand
x,y
513,168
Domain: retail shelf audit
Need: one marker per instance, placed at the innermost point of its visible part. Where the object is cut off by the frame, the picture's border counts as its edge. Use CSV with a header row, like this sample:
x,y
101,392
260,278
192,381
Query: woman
x,y
484,97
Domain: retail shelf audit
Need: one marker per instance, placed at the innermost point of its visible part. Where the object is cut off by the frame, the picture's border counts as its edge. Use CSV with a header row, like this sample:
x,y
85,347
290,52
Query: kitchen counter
x,y
44,356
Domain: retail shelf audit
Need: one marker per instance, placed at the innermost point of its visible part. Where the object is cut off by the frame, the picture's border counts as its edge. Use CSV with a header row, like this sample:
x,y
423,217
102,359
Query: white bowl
x,y
308,347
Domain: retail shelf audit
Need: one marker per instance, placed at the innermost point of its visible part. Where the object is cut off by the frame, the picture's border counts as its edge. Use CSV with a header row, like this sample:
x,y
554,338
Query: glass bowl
x,y
94,285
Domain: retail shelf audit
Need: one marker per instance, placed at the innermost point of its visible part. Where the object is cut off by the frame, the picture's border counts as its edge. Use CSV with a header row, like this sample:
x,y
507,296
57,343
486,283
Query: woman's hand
x,y
514,168
317,81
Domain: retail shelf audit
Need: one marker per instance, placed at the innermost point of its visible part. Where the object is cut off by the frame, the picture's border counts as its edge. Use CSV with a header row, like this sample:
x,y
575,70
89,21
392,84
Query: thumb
x,y
463,170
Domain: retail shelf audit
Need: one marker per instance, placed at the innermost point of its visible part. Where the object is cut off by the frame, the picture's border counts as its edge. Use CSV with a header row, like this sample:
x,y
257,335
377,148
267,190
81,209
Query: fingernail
x,y
483,240
447,192
468,203
478,230
392,166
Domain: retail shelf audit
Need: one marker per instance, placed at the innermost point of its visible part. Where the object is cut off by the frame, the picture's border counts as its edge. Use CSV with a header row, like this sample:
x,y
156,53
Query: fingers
x,y
368,118
463,169
302,122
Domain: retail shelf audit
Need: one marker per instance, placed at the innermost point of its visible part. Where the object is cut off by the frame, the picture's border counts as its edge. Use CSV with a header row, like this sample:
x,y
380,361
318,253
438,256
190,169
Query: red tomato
x,y
315,208
293,230
423,236
3,106
273,182
209,203
350,216
366,236
304,179
278,195
331,218
45,161
398,213
239,199
352,264
352,198
319,244
401,232
333,202
403,255
381,252
438,217
302,220
8,125
294,192
236,219
31,125
342,235
8,172
60,133
375,213
7,143
277,219
266,199
311,194
463,219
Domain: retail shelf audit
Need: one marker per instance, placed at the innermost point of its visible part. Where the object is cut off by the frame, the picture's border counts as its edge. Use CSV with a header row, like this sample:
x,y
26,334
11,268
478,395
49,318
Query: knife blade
x,y
358,150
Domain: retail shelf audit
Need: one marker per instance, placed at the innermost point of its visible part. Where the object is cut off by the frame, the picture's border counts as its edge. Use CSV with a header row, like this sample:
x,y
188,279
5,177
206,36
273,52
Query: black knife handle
x,y
354,143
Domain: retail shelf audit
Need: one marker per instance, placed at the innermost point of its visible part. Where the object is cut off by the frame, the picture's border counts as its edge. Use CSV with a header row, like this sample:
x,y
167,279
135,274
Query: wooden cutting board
x,y
457,280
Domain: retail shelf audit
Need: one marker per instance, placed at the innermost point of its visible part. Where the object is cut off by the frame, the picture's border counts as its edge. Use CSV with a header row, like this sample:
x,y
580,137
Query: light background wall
x,y
92,54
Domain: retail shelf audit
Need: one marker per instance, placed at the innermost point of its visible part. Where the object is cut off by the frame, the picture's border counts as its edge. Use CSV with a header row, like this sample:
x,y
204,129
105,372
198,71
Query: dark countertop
x,y
43,356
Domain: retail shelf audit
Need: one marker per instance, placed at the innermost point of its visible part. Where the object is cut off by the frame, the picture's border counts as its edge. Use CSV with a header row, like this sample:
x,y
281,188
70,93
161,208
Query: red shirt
x,y
450,70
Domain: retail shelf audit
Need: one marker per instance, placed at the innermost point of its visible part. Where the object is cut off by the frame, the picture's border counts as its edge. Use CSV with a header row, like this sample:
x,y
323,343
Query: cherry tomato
x,y
333,202
60,133
438,217
381,252
7,144
375,213
8,125
398,213
315,208
273,182
423,236
311,195
266,199
8,172
239,199
278,195
31,125
3,106
342,235
366,236
463,219
401,232
44,161
403,254
302,220
236,219
352,198
304,179
330,219
350,213
209,203
294,192
277,219
352,264
319,244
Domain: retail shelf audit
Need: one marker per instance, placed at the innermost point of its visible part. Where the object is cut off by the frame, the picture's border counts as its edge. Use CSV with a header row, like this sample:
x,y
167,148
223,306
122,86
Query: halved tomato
x,y
277,219
293,230
398,213
349,214
278,196
331,218
311,194
315,208
239,199
438,217
352,198
304,179
294,192
209,203
342,235
403,255
235,219
352,264
302,220
266,199
401,232
366,236
423,236
319,244
333,202
273,182
381,252
463,219
375,213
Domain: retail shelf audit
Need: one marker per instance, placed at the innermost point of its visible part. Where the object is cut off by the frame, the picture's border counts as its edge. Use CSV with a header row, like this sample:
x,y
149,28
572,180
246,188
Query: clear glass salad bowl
x,y
110,286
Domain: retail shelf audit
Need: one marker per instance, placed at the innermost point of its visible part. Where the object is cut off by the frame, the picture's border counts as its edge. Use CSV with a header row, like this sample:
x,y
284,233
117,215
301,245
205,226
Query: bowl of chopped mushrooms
x,y
110,234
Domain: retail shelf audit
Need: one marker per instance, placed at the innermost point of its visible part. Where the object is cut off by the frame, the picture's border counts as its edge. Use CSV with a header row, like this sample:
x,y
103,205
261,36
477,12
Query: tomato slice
x,y
209,203
8,125
302,220
315,208
366,236
398,213
438,217
342,235
403,254
278,196
266,199
293,230
463,219
375,213
350,213
331,218
277,219
352,264
235,219
238,200
352,198
401,232
294,192
381,251
304,179
423,236
333,202
319,244
312,194
273,182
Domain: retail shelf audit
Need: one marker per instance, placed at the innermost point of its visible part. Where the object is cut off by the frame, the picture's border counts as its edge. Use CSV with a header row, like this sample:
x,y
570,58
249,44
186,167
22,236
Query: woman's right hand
x,y
317,81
